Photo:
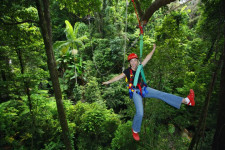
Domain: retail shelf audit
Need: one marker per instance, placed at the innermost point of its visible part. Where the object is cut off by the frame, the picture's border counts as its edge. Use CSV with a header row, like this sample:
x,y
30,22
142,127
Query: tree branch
x,y
138,6
154,7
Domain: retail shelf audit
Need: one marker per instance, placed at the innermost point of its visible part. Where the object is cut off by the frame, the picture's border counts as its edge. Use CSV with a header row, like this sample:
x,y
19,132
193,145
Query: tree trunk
x,y
26,84
219,137
3,75
201,124
27,91
210,52
45,24
151,9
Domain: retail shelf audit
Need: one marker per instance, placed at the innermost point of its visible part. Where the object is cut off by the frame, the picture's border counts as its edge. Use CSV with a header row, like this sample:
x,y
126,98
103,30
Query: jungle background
x,y
53,101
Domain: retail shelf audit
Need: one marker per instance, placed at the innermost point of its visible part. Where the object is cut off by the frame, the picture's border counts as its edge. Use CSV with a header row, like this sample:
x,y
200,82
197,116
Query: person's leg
x,y
139,112
170,99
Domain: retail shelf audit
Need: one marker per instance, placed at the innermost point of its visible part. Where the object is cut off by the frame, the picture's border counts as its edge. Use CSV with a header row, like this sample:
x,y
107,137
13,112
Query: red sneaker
x,y
135,136
191,97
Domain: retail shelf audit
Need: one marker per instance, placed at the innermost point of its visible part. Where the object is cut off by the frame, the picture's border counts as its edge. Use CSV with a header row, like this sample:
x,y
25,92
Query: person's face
x,y
134,63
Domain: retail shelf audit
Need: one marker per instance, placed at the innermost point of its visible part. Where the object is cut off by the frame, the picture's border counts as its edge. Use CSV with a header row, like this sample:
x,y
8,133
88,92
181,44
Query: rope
x,y
141,29
141,32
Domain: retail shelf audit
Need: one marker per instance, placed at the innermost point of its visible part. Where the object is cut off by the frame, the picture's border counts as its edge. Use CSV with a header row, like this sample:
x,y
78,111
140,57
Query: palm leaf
x,y
58,44
78,41
69,30
76,28
81,60
61,46
83,38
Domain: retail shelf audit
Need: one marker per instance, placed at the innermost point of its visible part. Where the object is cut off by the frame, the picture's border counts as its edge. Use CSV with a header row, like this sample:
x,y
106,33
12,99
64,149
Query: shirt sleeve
x,y
127,72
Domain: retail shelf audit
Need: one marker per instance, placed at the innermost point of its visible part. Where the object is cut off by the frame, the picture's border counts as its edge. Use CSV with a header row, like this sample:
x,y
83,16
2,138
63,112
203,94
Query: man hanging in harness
x,y
138,92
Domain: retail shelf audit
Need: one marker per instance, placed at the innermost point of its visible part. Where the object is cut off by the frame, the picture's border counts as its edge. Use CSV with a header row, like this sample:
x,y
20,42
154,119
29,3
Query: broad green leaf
x,y
69,30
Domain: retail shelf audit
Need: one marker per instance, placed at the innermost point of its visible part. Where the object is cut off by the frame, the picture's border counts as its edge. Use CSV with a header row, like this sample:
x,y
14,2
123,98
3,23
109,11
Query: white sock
x,y
187,100
134,131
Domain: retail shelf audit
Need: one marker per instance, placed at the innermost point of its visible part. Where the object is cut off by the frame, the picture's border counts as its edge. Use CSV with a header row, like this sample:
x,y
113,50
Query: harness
x,y
131,87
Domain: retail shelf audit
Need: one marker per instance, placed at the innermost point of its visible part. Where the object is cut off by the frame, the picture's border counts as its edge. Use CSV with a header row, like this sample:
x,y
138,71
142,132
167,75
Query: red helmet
x,y
131,56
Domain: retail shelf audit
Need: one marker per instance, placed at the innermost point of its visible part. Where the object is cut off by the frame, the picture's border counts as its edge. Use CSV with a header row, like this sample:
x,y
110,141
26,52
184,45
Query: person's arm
x,y
149,56
122,75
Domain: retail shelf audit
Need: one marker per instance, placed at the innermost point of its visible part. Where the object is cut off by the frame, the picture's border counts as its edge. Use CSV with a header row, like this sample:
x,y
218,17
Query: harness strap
x,y
131,89
143,76
139,69
139,86
131,79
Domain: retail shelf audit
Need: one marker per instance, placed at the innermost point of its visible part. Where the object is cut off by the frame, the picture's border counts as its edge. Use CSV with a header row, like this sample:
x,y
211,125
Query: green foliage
x,y
95,125
123,138
72,42
11,113
69,61
82,8
86,121
116,95
109,52
92,91
23,62
17,126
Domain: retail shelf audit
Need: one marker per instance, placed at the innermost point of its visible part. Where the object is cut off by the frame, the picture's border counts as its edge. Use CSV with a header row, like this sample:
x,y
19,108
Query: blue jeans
x,y
170,99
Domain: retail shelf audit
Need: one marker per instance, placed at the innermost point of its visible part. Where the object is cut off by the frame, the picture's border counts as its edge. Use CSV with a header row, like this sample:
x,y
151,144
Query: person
x,y
139,93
